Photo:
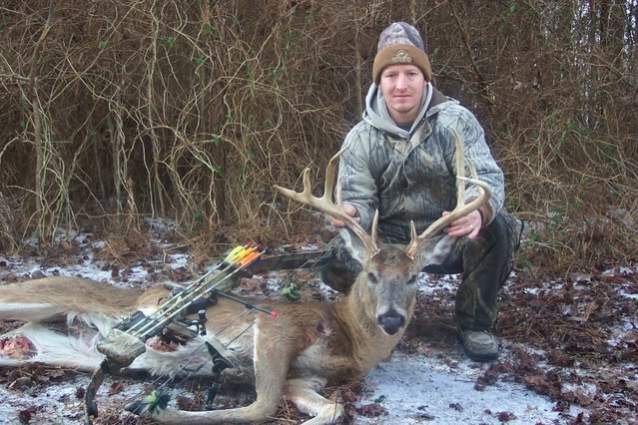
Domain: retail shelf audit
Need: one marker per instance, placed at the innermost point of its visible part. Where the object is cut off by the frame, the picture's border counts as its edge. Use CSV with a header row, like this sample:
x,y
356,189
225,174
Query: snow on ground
x,y
431,387
59,404
422,389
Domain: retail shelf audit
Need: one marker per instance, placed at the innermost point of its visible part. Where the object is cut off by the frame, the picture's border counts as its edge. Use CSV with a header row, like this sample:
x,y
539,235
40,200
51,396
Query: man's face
x,y
402,87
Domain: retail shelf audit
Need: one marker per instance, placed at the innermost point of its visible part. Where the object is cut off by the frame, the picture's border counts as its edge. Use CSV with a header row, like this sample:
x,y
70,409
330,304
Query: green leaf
x,y
291,292
199,60
102,44
170,41
216,140
157,399
199,217
209,29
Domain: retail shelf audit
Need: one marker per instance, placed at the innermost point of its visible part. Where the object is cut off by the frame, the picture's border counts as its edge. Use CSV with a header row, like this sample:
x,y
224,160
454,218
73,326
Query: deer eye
x,y
372,278
412,280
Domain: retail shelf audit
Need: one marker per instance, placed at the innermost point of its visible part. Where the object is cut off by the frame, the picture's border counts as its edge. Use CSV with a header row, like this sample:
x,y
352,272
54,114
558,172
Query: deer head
x,y
386,286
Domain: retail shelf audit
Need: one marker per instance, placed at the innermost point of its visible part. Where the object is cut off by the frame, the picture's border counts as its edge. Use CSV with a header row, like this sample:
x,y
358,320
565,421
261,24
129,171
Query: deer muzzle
x,y
391,321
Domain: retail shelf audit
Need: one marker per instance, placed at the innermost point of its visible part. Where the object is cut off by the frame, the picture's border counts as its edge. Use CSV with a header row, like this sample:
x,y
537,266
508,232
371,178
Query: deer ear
x,y
353,244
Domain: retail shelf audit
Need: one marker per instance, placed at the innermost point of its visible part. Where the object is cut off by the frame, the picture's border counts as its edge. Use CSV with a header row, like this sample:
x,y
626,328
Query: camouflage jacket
x,y
409,174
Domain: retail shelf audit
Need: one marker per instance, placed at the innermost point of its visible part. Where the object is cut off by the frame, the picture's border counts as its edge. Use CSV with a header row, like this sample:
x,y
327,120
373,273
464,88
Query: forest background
x,y
115,110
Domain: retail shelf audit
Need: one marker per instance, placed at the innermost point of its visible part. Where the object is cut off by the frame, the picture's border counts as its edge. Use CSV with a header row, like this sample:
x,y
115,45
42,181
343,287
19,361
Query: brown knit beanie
x,y
400,43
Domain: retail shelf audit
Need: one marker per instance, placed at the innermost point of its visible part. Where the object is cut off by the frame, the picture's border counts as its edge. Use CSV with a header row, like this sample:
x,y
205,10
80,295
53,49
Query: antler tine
x,y
327,205
330,181
461,208
413,234
375,226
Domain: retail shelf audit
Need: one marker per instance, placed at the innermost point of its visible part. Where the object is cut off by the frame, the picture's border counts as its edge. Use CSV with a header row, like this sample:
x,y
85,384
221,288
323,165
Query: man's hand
x,y
348,209
468,225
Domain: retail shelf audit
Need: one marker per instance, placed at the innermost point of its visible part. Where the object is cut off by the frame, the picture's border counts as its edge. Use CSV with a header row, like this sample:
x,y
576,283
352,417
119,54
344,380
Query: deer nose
x,y
391,321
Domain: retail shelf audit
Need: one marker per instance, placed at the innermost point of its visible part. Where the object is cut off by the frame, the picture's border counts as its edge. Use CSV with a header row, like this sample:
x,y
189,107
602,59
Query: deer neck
x,y
370,345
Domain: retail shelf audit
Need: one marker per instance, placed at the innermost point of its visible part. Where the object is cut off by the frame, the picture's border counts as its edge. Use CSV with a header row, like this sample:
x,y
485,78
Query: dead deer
x,y
292,356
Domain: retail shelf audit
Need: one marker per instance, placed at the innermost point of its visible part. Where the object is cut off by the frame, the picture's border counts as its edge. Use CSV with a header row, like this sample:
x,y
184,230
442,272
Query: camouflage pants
x,y
485,264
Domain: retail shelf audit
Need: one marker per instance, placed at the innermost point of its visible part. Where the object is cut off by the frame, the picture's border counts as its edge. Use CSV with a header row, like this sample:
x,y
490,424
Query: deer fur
x,y
293,355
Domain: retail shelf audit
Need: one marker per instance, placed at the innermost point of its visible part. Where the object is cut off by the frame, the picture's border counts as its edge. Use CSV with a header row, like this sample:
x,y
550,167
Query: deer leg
x,y
29,312
272,354
303,393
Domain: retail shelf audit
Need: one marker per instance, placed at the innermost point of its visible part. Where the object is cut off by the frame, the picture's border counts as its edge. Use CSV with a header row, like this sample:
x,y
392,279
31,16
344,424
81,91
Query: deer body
x,y
293,355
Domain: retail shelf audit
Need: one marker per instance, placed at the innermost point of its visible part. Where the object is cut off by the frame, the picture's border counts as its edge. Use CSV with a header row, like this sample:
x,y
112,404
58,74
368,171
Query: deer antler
x,y
461,208
326,204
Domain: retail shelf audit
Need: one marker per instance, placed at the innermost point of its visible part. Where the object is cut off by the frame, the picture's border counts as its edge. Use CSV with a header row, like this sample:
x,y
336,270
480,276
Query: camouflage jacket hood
x,y
409,175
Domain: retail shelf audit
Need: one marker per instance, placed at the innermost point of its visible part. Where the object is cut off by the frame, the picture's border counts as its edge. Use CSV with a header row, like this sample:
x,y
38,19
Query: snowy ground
x,y
433,385
419,389
439,387
411,390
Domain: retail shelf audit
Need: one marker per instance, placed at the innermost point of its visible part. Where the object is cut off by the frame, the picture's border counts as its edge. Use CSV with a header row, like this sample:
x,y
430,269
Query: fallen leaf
x,y
372,410
456,406
116,388
505,416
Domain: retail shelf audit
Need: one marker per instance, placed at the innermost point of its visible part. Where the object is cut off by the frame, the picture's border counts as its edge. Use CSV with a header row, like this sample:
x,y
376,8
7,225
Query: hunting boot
x,y
480,346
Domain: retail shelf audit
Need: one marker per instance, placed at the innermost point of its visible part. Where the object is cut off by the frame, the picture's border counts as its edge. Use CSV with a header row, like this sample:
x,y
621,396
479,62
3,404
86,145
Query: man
x,y
399,160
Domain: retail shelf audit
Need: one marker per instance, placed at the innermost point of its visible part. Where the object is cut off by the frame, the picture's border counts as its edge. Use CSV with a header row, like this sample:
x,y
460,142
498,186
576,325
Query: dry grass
x,y
113,111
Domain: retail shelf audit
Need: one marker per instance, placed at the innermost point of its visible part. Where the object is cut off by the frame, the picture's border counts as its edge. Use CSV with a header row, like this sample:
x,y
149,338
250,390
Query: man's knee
x,y
339,270
509,229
